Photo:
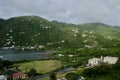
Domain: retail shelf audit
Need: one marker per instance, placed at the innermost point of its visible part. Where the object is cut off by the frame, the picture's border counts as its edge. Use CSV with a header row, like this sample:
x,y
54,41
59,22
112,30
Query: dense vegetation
x,y
32,32
104,72
72,76
80,57
5,64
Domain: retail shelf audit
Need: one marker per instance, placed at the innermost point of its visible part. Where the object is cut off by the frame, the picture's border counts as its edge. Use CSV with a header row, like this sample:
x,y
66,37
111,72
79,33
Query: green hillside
x,y
1,23
29,31
104,30
33,32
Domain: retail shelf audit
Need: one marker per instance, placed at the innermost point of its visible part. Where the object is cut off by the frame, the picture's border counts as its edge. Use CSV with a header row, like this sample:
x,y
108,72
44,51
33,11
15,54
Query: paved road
x,y
40,77
65,70
58,72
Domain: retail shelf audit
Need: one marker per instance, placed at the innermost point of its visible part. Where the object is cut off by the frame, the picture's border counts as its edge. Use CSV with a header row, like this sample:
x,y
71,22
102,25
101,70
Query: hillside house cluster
x,y
98,61
62,55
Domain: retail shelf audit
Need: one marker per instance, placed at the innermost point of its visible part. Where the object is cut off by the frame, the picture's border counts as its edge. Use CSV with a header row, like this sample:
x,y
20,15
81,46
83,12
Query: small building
x,y
11,74
2,77
70,55
94,62
99,61
60,55
19,75
81,78
110,60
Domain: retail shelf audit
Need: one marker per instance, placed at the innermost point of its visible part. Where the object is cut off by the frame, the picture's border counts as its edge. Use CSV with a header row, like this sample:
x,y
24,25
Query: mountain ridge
x,y
33,32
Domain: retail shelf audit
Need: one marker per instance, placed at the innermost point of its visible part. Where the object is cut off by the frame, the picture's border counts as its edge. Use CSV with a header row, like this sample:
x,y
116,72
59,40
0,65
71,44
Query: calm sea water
x,y
14,55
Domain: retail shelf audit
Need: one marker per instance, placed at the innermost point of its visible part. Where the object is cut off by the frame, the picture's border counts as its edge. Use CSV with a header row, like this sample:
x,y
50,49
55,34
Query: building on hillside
x,y
60,55
81,78
110,60
11,74
19,75
94,62
99,61
70,55
2,77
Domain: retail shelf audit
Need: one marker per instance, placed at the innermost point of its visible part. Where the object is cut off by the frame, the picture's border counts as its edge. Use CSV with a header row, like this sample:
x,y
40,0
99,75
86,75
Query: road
x,y
47,74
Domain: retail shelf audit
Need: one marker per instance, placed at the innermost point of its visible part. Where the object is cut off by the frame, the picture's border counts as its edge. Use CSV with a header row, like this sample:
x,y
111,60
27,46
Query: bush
x,y
71,76
53,76
105,71
32,72
97,71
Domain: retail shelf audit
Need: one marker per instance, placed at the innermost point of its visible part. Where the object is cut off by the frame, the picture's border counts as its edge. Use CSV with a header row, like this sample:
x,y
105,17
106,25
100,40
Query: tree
x,y
32,72
71,76
97,71
53,76
5,64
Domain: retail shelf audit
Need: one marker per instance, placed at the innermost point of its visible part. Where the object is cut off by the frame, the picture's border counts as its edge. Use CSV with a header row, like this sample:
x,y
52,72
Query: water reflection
x,y
14,55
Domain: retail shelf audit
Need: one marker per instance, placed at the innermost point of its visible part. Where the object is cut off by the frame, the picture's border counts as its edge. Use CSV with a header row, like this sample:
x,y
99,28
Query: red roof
x,y
18,74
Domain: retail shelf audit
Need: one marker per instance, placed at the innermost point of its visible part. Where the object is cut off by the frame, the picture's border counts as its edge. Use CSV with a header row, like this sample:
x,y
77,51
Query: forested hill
x,y
33,32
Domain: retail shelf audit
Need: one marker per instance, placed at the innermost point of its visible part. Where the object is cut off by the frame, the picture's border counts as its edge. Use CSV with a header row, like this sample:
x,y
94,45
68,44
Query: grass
x,y
79,70
60,76
109,32
40,66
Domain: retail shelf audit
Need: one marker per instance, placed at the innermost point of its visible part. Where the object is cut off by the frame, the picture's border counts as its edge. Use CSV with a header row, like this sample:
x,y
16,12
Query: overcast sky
x,y
73,11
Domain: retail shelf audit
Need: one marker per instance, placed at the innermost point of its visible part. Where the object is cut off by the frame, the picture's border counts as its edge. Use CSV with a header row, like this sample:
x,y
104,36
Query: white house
x,y
70,55
98,61
94,62
2,77
81,78
60,55
110,60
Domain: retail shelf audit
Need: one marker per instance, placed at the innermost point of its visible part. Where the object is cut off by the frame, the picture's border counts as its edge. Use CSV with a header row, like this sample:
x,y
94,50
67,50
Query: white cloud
x,y
76,11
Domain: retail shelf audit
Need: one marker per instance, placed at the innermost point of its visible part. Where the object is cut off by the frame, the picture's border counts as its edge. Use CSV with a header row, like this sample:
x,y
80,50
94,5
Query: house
x,y
2,77
70,55
15,75
98,61
60,55
81,78
110,60
19,75
94,62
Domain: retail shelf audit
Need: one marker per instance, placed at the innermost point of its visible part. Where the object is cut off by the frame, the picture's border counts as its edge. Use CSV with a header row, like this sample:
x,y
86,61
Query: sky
x,y
71,11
